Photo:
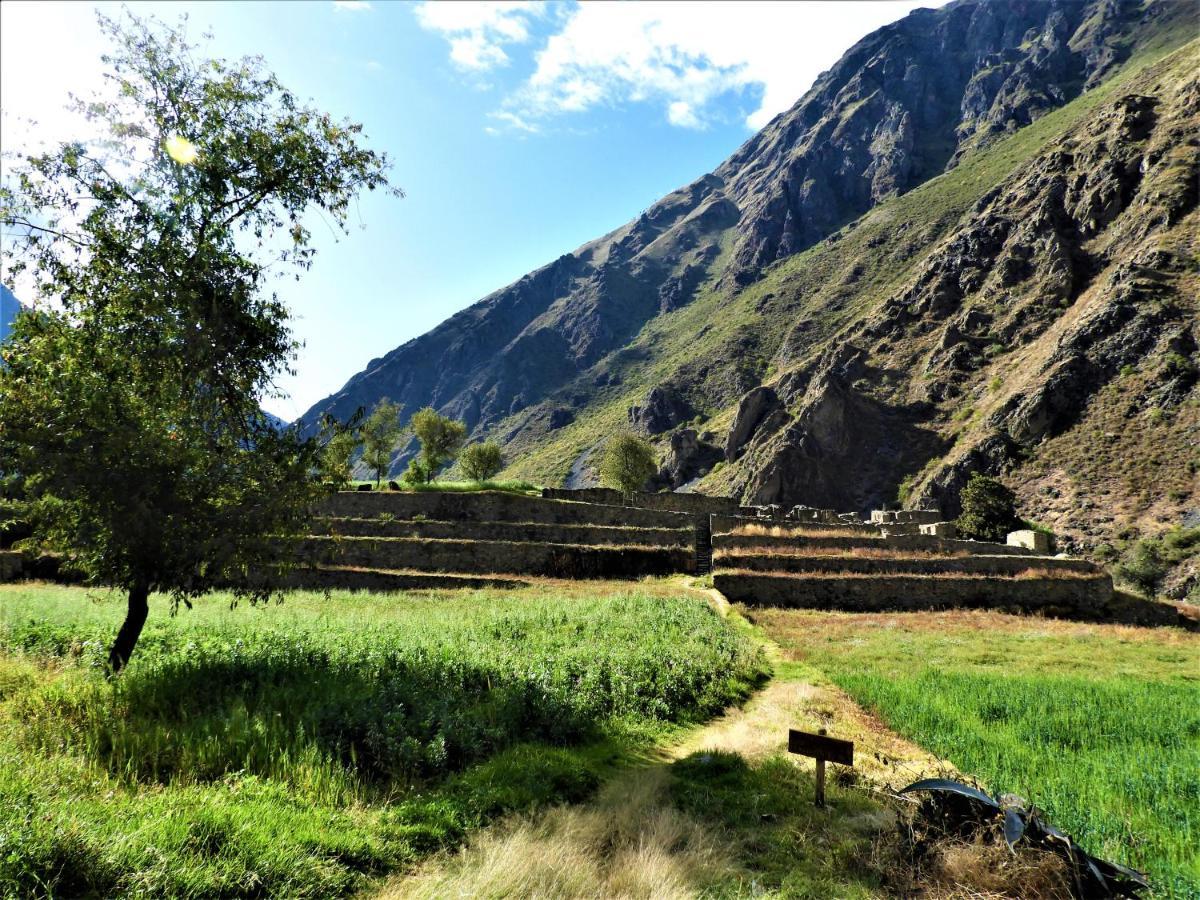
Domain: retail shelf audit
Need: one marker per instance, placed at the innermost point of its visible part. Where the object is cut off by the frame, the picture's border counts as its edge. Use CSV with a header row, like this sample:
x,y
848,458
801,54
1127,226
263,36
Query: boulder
x,y
753,408
663,409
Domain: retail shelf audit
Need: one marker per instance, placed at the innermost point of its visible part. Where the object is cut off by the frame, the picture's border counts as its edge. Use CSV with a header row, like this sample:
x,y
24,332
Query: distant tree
x,y
627,464
481,462
339,444
380,434
989,510
130,405
441,438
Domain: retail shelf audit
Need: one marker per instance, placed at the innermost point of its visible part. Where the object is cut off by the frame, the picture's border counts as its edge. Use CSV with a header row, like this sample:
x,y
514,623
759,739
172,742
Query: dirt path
x,y
630,841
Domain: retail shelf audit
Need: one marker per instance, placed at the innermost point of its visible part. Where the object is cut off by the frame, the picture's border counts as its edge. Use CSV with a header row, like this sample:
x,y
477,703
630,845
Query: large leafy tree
x,y
129,407
627,464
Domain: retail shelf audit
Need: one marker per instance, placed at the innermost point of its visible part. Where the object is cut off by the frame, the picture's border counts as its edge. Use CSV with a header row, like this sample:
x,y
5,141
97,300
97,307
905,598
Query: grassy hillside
x,y
296,749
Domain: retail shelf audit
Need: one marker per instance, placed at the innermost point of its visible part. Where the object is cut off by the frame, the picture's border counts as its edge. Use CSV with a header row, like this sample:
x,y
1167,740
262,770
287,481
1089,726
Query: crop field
x,y
1097,725
299,749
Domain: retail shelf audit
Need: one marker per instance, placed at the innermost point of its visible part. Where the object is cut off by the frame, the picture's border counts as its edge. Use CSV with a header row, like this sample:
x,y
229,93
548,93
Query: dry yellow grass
x,y
857,552
628,843
801,531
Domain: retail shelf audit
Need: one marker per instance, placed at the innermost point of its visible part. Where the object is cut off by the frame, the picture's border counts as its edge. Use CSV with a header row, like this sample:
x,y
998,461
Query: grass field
x,y
1097,725
297,750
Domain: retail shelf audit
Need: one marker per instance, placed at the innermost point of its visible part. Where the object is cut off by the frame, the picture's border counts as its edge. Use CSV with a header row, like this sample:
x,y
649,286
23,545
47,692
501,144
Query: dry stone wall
x,y
1084,596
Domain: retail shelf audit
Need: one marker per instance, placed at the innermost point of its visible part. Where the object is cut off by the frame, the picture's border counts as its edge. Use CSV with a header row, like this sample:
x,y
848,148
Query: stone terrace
x,y
861,568
397,539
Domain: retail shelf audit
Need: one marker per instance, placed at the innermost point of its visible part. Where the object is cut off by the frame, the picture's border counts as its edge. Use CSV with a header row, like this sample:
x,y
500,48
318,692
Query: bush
x,y
989,510
417,473
627,464
480,462
1143,567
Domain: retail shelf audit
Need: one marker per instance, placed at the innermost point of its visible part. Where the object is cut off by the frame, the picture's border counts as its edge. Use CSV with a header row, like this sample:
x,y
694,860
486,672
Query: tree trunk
x,y
131,628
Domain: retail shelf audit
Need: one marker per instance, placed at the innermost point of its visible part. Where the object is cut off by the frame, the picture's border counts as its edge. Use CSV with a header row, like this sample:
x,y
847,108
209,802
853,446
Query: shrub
x,y
627,464
989,509
1143,567
480,462
417,473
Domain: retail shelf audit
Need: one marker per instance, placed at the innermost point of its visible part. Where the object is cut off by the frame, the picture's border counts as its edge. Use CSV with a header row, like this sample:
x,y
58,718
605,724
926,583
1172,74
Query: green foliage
x,y
627,464
480,462
1101,729
130,408
337,453
989,510
380,434
766,807
417,474
334,735
441,438
1146,564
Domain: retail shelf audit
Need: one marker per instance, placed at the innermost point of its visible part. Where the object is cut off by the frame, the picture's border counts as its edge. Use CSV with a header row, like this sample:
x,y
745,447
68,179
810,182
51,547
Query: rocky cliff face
x,y
971,246
891,114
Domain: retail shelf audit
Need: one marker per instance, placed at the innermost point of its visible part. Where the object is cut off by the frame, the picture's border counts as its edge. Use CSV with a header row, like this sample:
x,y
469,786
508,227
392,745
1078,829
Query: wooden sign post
x,y
822,748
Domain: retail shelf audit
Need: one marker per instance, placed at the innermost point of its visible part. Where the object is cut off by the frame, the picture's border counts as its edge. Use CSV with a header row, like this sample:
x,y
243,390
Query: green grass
x,y
790,848
297,749
1098,727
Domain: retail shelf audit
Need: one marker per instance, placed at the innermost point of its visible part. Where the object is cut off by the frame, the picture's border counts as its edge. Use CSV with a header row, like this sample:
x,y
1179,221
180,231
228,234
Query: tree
x,y
129,407
627,464
440,438
481,462
380,434
340,443
989,509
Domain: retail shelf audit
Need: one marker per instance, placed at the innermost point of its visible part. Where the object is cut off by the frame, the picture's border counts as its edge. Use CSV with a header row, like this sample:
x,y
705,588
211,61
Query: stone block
x,y
1030,540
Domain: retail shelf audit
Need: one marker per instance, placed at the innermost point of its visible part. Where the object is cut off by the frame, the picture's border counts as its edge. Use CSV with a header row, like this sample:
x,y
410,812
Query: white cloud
x,y
680,56
352,5
478,31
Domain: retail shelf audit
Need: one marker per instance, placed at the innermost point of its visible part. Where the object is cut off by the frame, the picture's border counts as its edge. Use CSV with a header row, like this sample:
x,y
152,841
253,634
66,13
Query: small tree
x,y
989,509
628,463
341,442
481,462
130,406
380,434
441,438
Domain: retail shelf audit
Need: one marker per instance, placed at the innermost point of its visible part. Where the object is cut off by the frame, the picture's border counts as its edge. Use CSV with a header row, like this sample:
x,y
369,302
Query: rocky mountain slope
x,y
970,246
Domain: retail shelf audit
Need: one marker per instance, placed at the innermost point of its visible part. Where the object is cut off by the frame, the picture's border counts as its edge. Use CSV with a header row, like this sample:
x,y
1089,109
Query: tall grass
x,y
1098,727
304,744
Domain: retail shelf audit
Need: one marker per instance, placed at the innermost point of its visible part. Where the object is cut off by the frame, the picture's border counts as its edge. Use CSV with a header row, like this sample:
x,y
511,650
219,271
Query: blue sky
x,y
518,131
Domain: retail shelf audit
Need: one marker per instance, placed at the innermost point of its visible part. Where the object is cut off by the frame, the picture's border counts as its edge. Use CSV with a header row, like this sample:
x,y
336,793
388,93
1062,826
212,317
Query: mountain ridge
x,y
744,320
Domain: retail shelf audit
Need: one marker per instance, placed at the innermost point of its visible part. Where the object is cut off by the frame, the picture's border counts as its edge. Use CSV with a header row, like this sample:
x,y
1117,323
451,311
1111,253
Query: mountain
x,y
9,307
971,246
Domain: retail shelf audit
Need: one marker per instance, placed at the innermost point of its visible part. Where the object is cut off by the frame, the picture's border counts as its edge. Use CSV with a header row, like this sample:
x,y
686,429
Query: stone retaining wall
x,y
1003,566
670,501
304,578
550,560
536,532
722,524
916,542
1079,596
493,506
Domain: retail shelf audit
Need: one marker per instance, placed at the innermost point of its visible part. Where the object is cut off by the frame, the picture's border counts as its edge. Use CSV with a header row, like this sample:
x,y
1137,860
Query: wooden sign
x,y
821,747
